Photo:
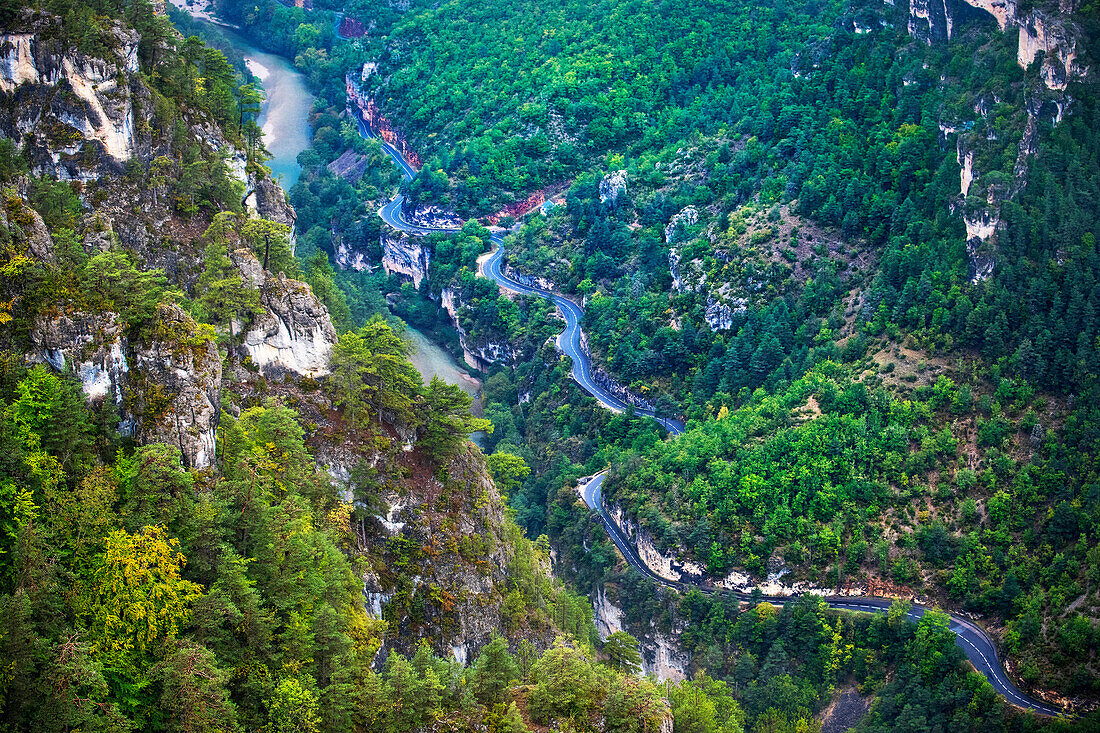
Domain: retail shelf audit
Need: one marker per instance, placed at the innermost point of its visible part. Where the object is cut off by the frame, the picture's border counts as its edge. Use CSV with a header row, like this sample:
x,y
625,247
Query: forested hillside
x,y
850,244
191,508
853,244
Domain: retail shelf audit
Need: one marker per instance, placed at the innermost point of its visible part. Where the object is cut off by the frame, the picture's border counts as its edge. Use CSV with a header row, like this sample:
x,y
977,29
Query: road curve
x,y
974,642
569,340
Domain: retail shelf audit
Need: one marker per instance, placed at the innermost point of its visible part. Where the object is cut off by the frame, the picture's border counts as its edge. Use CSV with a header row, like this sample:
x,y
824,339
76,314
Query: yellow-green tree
x,y
137,599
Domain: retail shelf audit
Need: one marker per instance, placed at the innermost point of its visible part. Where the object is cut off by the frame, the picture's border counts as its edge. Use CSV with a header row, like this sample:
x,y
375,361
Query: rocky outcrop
x,y
72,113
167,386
612,186
26,228
350,166
351,258
524,278
478,355
689,277
674,270
662,655
461,557
676,568
1050,31
689,216
607,617
293,332
432,217
719,316
175,387
405,256
1056,38
91,346
268,201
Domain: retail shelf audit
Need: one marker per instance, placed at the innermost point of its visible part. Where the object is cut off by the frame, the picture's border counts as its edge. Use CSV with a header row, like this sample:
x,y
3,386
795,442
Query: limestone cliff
x,y
73,113
405,256
612,186
176,387
478,353
26,228
1046,32
443,559
267,200
92,118
167,387
291,333
1047,29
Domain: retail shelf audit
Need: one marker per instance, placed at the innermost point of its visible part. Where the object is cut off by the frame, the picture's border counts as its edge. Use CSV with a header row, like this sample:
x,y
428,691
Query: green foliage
x,y
567,685
322,279
294,708
138,602
508,471
622,652
370,374
493,672
222,293
271,244
57,203
12,162
447,421
115,282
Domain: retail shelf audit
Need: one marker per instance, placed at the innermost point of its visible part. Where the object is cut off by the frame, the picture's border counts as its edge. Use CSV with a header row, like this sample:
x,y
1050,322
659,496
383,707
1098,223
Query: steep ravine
x,y
975,643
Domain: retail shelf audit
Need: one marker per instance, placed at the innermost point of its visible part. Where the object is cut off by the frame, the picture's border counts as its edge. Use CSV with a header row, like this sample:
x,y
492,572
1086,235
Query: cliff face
x,y
176,388
1047,32
73,113
268,200
167,388
89,119
292,332
441,556
478,354
405,256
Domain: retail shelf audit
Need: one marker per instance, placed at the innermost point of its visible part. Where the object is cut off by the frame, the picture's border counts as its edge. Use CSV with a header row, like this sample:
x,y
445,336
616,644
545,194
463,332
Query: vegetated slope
x,y
866,190
174,551
536,93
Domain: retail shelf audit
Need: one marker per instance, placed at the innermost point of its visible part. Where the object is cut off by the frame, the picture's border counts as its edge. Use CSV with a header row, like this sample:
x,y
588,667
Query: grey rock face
x,y
27,229
719,316
176,388
167,388
405,256
72,113
689,216
269,200
92,346
293,332
612,186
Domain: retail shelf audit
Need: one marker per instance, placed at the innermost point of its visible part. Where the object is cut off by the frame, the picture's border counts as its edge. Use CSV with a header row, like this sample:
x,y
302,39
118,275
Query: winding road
x,y
974,642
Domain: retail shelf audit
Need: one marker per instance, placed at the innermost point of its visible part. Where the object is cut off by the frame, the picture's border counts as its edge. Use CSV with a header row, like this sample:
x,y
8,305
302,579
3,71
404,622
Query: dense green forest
x,y
919,426
872,410
784,264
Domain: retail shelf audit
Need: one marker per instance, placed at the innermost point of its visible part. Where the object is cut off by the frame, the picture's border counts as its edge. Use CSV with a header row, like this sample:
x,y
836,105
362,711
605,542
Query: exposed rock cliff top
x,y
292,333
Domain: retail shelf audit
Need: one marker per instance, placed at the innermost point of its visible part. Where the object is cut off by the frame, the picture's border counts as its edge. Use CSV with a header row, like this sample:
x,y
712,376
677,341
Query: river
x,y
432,361
284,118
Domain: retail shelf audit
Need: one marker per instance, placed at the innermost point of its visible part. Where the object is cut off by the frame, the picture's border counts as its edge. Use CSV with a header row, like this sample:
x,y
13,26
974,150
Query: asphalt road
x,y
974,642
